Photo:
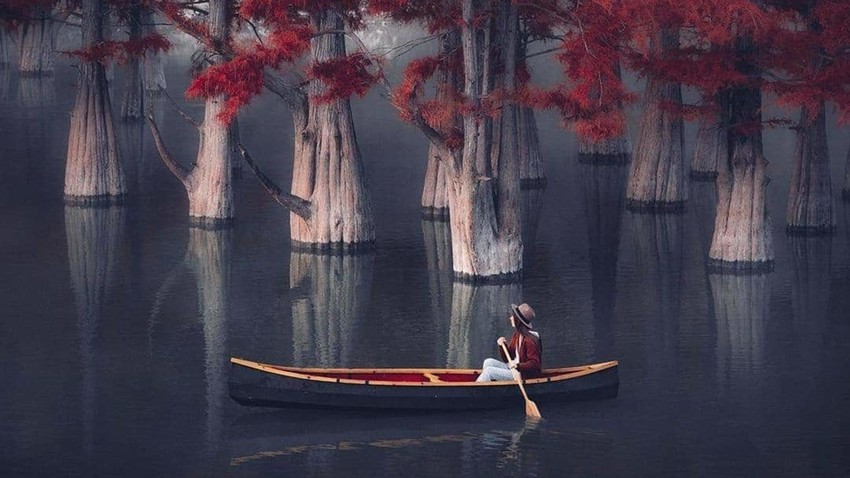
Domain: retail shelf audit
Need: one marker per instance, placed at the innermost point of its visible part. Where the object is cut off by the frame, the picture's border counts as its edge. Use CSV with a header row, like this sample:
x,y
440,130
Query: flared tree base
x,y
719,266
101,200
707,176
430,213
619,159
332,248
656,207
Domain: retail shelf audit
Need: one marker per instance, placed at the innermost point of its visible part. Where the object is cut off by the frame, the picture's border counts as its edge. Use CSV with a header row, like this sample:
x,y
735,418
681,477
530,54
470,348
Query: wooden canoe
x,y
266,385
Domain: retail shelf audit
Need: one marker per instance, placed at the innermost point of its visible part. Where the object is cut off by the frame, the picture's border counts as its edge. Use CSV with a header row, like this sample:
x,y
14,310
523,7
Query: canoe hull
x,y
252,387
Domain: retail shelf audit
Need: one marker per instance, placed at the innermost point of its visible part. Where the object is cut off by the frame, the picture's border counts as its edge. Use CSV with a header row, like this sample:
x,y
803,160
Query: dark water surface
x,y
117,324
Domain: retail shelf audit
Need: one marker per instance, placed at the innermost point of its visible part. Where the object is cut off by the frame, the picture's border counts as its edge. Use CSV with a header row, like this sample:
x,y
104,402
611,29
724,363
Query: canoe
x,y
266,385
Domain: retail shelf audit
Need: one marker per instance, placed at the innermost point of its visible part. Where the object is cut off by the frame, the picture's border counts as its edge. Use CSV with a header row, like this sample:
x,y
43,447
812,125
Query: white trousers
x,y
494,370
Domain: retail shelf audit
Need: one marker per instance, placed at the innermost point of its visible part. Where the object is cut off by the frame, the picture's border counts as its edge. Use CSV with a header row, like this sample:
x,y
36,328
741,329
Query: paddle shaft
x,y
518,380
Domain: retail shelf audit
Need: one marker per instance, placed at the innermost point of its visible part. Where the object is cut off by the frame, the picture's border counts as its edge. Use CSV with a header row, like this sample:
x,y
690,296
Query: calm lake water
x,y
117,324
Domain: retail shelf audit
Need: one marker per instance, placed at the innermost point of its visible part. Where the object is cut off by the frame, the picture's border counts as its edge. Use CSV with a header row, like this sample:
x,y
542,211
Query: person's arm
x,y
511,350
531,364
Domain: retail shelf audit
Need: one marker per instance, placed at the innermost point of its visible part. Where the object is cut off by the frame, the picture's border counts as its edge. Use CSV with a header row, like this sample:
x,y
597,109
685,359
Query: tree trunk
x,y
38,45
486,227
810,209
153,64
133,103
93,172
209,257
616,150
742,240
328,170
710,149
330,295
530,160
657,175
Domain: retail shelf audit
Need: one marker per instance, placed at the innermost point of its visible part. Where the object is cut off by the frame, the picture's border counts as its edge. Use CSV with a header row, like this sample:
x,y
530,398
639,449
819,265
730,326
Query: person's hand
x,y
512,363
501,341
516,374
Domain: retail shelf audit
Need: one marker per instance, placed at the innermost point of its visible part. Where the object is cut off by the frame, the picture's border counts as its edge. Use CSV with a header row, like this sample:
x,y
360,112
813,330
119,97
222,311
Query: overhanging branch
x,y
295,204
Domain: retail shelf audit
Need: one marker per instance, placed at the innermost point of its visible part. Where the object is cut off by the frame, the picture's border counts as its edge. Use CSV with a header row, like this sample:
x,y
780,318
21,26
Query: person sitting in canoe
x,y
525,349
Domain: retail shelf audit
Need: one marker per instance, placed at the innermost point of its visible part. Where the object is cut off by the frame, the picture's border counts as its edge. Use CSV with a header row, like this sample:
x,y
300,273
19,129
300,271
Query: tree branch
x,y
182,113
295,204
176,168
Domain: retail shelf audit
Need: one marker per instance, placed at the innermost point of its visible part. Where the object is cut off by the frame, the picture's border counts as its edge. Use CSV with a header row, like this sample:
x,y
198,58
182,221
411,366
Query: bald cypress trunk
x,y
133,102
530,159
93,172
38,44
616,150
710,149
153,67
810,208
657,175
485,220
742,239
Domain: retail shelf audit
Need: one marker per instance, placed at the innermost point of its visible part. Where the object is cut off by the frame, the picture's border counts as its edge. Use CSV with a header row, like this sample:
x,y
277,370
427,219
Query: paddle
x,y
530,407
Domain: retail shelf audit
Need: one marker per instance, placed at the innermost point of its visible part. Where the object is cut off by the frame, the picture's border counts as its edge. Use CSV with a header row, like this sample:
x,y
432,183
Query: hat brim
x,y
518,315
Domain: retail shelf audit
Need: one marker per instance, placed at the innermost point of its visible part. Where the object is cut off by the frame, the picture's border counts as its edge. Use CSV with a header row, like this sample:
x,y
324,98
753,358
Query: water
x,y
117,324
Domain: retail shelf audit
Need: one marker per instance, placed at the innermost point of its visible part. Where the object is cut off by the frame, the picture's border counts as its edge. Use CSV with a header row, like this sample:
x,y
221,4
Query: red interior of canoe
x,y
408,377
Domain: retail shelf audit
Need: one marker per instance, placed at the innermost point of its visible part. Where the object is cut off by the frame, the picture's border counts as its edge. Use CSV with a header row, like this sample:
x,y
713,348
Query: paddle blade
x,y
531,410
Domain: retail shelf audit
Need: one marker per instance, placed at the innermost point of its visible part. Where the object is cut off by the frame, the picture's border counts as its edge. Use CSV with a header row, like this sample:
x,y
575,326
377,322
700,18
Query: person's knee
x,y
492,363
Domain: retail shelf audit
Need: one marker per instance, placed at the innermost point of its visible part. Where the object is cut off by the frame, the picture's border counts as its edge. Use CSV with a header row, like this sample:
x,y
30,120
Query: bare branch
x,y
295,204
176,168
182,113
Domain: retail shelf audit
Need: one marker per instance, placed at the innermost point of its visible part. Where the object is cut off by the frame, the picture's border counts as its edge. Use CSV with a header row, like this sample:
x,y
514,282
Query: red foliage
x,y
122,50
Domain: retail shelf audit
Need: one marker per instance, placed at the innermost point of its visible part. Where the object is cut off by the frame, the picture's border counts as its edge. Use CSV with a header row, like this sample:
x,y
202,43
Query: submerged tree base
x,y
706,176
431,213
507,278
345,248
634,205
604,159
101,200
717,266
823,230
211,223
532,183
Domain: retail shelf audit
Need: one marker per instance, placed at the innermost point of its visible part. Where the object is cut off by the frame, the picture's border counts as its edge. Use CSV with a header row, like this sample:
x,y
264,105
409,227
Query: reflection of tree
x,y
329,296
93,236
208,256
5,81
37,92
740,308
479,316
604,196
438,255
810,291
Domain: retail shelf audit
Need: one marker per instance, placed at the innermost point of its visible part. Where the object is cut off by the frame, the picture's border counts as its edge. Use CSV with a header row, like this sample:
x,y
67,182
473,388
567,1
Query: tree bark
x,y
38,44
530,159
710,149
742,240
133,102
485,221
209,184
153,63
616,150
810,208
93,172
330,295
657,175
328,170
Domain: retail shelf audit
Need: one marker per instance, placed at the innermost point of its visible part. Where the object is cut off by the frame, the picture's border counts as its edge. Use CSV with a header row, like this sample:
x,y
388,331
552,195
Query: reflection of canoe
x,y
258,384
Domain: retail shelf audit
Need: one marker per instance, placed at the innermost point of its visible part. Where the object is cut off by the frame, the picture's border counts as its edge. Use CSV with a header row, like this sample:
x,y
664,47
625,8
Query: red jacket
x,y
529,355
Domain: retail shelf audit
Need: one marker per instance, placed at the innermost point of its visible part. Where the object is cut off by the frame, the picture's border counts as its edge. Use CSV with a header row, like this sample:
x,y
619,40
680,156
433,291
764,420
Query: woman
x,y
524,347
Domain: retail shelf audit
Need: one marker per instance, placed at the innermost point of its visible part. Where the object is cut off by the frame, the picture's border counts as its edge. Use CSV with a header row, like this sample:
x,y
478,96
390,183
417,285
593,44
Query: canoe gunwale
x,y
308,374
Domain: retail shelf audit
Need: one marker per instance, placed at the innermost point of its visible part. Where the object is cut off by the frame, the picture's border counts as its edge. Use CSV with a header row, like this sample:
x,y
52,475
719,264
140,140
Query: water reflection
x,y
532,206
812,258
740,309
329,296
37,93
208,256
604,197
479,316
5,82
93,236
438,256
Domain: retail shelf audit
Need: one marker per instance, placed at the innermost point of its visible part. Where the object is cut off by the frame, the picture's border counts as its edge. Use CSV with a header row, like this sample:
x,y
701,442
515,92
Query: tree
x,y
329,201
